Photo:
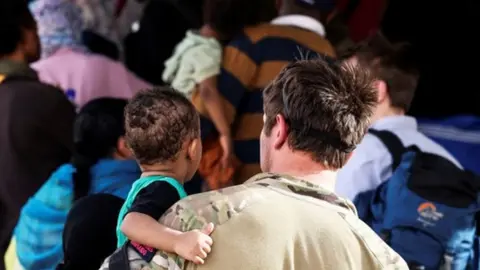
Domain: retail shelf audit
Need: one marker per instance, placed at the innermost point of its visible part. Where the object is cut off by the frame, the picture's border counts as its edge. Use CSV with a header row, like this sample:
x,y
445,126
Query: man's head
x,y
163,131
318,9
229,17
320,109
394,70
18,32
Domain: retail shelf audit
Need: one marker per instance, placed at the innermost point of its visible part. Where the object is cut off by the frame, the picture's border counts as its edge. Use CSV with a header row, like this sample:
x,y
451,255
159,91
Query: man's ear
x,y
193,149
382,91
122,148
280,133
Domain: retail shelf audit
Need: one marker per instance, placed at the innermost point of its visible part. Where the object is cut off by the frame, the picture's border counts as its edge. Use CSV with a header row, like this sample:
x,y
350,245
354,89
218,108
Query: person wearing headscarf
x,y
67,63
111,20
101,163
89,234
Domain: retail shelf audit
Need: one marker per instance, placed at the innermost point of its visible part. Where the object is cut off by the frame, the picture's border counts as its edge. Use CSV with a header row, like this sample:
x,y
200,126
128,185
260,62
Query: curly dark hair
x,y
14,18
158,122
326,104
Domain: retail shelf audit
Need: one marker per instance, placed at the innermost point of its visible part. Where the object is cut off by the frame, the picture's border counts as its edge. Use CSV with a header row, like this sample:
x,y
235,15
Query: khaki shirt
x,y
275,222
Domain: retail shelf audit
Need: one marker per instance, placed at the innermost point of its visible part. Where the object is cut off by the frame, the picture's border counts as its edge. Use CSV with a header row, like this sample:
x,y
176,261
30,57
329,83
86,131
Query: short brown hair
x,y
327,106
158,122
392,63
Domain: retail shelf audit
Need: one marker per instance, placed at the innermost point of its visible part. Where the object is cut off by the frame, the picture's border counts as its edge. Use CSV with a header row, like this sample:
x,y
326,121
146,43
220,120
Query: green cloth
x,y
140,184
195,59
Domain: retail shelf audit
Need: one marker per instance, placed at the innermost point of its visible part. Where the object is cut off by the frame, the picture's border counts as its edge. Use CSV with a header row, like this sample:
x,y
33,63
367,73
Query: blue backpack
x,y
427,211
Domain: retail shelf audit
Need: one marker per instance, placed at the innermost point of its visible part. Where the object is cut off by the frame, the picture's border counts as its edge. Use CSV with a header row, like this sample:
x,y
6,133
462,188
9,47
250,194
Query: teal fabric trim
x,y
140,184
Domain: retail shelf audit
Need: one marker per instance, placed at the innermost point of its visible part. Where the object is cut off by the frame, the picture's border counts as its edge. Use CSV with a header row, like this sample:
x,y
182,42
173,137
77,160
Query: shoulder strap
x,y
136,188
393,144
119,260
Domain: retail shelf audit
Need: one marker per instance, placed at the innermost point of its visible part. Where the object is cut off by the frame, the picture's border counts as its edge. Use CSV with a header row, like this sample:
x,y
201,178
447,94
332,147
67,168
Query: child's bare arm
x,y
193,245
147,231
214,105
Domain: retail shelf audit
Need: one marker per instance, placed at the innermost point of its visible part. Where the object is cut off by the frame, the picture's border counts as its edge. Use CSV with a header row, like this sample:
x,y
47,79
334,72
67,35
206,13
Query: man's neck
x,y
387,112
15,57
303,167
163,170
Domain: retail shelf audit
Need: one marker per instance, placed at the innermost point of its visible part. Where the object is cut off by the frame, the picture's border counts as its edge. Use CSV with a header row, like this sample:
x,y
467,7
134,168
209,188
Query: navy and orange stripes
x,y
250,62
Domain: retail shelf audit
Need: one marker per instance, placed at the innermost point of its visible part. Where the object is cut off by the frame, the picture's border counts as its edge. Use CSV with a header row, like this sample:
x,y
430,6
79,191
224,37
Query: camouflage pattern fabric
x,y
220,206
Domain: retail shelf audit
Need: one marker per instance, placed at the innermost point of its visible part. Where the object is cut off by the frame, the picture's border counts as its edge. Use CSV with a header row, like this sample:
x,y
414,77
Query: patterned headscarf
x,y
60,25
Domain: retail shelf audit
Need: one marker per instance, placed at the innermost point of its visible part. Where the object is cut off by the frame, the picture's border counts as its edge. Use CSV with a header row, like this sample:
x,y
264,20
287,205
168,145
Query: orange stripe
x,y
267,71
239,64
249,126
426,205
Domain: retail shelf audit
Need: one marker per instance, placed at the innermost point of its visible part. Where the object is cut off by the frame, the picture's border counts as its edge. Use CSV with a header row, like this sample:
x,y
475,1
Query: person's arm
x,y
214,104
141,225
193,245
145,230
237,72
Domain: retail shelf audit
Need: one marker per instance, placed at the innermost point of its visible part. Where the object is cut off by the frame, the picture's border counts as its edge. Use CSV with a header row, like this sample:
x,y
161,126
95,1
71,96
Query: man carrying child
x,y
316,112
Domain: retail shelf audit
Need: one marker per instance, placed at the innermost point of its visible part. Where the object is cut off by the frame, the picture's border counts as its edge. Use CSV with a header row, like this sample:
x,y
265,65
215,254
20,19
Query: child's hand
x,y
226,143
195,245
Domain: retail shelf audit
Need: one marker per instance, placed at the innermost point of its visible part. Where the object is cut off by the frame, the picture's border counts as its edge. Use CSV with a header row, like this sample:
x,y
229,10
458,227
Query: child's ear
x,y
194,149
122,149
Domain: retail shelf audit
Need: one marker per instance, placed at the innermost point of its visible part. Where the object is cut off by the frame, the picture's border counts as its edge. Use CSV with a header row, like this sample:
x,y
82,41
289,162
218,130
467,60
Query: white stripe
x,y
450,133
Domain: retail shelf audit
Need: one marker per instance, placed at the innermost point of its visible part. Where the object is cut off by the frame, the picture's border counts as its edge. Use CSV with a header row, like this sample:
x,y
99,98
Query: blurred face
x,y
30,45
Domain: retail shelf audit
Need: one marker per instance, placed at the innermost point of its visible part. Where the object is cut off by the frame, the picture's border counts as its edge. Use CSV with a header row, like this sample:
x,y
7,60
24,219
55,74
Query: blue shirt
x,y
39,230
370,164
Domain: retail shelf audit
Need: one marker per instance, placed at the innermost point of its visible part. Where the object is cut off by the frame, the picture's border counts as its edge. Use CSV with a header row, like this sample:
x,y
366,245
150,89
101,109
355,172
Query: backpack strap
x,y
119,260
393,144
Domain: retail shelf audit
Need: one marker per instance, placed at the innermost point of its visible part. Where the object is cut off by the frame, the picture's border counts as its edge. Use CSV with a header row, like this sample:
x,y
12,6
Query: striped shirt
x,y
250,62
